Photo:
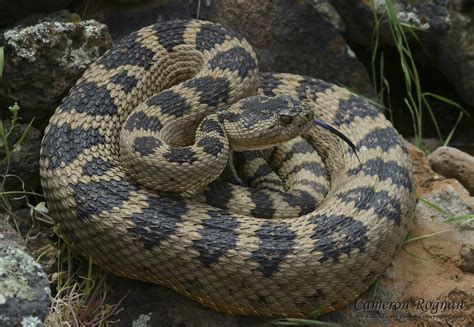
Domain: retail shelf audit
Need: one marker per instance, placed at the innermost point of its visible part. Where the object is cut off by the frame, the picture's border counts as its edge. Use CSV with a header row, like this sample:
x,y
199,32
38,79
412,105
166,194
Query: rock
x,y
8,236
125,16
299,37
43,61
24,160
432,17
24,287
467,258
427,180
302,37
424,177
454,163
455,53
326,8
40,237
447,197
11,11
148,305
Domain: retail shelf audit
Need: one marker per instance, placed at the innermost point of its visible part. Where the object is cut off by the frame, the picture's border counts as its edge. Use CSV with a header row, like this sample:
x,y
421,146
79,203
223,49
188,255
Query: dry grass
x,y
82,302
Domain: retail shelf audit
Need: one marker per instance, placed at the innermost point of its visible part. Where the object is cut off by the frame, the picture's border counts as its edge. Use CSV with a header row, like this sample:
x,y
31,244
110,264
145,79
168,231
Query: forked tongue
x,y
325,125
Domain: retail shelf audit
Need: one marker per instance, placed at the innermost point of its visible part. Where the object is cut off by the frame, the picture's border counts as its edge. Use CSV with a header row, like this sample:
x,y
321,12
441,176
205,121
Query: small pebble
x,y
453,163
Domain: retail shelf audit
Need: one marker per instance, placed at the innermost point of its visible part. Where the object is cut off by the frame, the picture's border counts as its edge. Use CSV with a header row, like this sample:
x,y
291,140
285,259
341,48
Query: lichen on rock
x,y
44,60
24,287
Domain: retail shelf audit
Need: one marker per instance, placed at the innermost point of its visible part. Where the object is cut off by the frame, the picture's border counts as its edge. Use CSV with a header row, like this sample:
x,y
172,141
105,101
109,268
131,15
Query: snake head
x,y
332,129
260,122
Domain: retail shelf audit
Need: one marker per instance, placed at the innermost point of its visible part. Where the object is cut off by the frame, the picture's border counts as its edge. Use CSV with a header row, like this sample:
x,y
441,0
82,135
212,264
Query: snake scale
x,y
218,245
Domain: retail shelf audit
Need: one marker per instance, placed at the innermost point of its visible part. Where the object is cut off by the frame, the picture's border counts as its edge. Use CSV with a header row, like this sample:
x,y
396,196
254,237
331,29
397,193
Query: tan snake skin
x,y
219,246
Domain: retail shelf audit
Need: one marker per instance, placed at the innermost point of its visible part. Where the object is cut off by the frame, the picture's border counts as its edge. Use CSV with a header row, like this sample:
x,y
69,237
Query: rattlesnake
x,y
218,245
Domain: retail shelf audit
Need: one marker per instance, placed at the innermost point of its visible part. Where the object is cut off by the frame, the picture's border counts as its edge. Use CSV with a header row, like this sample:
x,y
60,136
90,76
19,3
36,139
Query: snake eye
x,y
285,119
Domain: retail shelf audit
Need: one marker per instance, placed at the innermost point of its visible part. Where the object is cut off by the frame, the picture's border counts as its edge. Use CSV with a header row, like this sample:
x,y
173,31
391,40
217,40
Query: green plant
x,y
416,100
7,150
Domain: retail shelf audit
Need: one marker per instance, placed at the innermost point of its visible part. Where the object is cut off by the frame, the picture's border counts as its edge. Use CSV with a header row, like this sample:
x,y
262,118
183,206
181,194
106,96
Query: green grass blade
x,y
450,136
433,118
411,254
434,206
3,137
376,288
414,117
375,103
2,61
417,238
89,279
389,105
375,46
20,192
381,94
24,135
468,216
412,28
448,101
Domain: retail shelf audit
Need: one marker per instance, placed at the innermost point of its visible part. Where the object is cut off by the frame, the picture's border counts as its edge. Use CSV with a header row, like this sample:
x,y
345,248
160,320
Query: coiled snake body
x,y
217,245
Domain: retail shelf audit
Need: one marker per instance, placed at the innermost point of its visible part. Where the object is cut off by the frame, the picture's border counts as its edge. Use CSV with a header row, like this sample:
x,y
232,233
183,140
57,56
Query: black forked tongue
x,y
338,133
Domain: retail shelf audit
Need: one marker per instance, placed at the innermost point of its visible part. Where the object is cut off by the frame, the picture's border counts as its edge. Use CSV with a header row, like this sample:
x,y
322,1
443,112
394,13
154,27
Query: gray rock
x,y
450,200
8,235
299,37
123,18
453,163
467,258
39,236
24,287
44,60
447,198
11,11
302,37
148,305
456,53
430,16
326,8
